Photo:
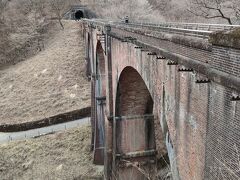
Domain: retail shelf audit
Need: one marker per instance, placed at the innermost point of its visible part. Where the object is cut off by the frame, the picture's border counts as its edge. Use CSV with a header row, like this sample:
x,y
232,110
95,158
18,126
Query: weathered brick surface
x,y
196,54
186,118
98,107
191,125
134,98
222,145
200,117
226,60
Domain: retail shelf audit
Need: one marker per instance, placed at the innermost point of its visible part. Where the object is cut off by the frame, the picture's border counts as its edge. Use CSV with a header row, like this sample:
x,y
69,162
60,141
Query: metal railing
x,y
190,26
171,30
199,30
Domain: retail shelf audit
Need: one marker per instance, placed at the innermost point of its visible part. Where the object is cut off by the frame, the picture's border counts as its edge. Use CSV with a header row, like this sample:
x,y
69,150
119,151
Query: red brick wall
x,y
185,105
222,144
191,125
226,59
201,118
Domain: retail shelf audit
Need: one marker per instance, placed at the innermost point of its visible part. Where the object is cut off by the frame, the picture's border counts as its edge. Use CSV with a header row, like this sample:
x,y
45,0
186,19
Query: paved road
x,y
6,137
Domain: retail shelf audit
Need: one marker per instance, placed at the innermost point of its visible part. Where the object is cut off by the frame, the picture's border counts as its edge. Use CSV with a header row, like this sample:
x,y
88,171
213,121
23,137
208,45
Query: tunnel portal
x,y
79,14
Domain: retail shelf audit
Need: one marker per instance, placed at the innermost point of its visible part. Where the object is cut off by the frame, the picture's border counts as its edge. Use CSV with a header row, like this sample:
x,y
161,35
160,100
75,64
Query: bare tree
x,y
58,7
3,5
236,8
227,10
34,14
136,10
4,33
162,5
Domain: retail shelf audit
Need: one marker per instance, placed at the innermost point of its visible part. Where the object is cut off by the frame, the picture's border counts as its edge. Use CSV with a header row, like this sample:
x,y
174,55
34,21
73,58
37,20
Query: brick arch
x,y
133,99
133,96
100,69
134,123
99,104
88,55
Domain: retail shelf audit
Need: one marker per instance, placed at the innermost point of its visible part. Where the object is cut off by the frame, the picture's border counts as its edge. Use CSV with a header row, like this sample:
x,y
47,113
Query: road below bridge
x,y
6,137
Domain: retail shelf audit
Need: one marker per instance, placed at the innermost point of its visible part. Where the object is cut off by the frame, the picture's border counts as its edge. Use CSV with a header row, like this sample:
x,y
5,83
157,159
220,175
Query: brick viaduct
x,y
164,93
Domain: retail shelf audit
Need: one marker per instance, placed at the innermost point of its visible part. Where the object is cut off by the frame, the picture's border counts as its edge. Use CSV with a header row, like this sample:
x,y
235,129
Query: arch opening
x,y
134,102
133,97
100,70
88,59
100,98
79,15
134,124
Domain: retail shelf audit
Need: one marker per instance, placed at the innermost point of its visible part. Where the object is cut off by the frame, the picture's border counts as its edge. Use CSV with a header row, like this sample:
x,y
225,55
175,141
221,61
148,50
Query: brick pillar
x,y
93,87
109,107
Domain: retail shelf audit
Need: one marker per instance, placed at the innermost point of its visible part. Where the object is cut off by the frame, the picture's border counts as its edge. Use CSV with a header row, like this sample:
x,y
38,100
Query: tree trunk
x,y
60,22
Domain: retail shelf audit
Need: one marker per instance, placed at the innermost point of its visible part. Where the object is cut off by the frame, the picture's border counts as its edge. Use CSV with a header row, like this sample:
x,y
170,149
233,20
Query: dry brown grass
x,y
64,155
51,82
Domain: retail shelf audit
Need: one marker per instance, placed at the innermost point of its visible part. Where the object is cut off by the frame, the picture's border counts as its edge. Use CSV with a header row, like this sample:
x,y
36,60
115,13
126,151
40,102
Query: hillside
x,y
51,82
64,155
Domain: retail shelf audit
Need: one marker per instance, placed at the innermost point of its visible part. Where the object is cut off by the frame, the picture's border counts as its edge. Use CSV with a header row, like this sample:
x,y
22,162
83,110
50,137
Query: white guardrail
x,y
193,29
34,133
190,26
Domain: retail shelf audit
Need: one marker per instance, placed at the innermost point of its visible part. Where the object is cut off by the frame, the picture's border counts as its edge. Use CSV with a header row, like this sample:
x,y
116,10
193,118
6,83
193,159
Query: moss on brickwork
x,y
226,38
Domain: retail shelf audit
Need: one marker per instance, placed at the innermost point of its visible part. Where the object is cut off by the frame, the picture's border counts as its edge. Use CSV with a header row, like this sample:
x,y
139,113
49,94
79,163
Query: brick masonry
x,y
226,59
222,143
201,118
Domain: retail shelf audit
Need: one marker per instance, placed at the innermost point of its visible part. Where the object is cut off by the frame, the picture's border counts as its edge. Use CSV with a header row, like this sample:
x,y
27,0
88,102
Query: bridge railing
x,y
192,26
190,29
172,30
152,27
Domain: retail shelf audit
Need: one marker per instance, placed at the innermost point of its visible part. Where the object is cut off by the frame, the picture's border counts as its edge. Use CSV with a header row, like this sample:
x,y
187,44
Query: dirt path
x,y
49,83
64,155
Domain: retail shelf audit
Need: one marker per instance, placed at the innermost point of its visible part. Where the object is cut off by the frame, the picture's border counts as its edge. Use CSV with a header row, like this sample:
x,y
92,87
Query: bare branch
x,y
212,9
58,7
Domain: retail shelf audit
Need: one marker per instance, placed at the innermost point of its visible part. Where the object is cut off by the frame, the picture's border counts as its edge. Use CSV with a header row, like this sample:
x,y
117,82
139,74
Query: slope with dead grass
x,y
64,155
49,83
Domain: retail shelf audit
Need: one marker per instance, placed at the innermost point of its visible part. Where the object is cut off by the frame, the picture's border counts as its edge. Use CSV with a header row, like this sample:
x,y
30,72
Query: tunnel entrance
x,y
79,14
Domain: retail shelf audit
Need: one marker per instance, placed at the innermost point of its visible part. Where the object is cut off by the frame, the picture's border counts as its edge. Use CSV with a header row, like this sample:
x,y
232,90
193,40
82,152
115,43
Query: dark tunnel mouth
x,y
79,14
